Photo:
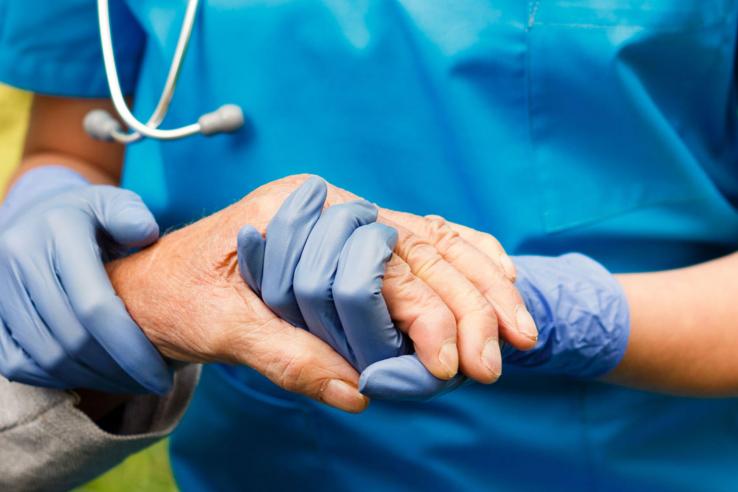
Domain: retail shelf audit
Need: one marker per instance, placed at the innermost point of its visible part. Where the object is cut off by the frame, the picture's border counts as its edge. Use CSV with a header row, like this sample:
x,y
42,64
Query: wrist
x,y
163,288
581,313
142,282
37,184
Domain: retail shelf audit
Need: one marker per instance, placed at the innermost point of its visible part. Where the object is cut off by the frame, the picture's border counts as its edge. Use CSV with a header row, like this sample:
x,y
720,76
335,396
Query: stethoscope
x,y
101,125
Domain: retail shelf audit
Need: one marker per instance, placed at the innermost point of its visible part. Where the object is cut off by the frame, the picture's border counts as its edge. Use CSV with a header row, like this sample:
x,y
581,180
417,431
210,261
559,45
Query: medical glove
x,y
583,325
322,271
61,323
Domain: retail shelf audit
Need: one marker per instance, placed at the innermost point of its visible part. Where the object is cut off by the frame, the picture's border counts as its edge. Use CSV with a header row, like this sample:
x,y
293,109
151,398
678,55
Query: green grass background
x,y
149,470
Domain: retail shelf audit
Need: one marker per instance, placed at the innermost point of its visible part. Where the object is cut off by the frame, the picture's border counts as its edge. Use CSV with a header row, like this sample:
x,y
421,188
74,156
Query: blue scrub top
x,y
606,127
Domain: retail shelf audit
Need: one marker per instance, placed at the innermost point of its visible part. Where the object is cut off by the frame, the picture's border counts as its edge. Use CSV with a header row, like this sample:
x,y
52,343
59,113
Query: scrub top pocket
x,y
626,101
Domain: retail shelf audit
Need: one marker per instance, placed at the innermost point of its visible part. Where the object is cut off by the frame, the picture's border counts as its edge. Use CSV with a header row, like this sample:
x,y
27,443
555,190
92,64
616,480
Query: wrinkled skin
x,y
186,294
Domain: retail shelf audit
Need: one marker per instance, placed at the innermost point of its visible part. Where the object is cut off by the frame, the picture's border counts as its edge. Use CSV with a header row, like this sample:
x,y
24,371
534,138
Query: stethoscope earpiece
x,y
225,119
101,125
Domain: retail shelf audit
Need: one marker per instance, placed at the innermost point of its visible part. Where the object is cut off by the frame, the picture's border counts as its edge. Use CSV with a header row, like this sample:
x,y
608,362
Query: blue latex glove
x,y
583,325
323,272
61,323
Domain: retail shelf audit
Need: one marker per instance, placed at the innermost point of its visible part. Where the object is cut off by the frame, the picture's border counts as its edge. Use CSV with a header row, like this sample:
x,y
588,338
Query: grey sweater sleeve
x,y
47,444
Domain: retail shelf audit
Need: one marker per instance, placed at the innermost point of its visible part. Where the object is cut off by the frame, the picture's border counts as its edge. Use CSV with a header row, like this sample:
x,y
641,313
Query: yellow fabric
x,y
14,106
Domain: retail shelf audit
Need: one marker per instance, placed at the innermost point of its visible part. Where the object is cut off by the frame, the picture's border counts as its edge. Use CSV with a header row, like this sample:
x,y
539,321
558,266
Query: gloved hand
x,y
583,326
324,272
61,323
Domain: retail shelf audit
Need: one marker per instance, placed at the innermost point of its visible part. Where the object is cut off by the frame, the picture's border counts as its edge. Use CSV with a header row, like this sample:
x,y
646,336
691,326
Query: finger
x,y
251,257
516,325
17,366
404,378
100,311
46,293
35,338
357,291
124,216
286,235
418,311
476,319
316,271
296,360
489,245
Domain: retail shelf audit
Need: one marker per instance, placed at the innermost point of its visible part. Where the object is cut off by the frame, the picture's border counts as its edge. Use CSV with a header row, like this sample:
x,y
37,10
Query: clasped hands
x,y
326,295
335,296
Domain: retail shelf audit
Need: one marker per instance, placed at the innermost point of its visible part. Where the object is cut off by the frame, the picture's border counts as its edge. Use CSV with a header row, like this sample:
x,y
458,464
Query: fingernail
x,y
491,358
449,358
342,395
508,266
526,325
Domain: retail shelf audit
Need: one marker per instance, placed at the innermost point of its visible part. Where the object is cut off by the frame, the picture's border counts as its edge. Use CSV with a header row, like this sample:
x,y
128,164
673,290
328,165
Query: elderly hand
x,y
186,295
324,272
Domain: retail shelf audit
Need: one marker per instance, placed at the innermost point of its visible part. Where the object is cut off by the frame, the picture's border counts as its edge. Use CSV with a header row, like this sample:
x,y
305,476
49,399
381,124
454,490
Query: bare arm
x,y
684,330
55,136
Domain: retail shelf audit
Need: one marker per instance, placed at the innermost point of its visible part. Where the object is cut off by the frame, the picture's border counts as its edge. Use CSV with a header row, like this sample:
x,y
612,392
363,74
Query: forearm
x,y
684,330
88,170
55,136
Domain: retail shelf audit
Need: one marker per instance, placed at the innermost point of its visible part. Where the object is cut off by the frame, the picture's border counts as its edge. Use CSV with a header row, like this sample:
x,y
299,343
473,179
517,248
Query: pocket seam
x,y
656,27
720,20
242,387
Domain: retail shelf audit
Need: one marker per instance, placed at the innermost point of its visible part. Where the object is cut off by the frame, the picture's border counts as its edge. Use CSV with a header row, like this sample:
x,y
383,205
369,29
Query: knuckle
x,y
417,252
294,373
55,361
276,299
340,213
484,311
427,263
491,242
355,293
396,268
435,223
80,344
311,288
93,309
490,291
401,281
444,237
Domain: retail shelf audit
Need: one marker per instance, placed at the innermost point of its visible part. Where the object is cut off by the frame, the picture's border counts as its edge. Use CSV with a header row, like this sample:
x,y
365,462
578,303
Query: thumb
x,y
404,378
298,361
251,257
124,216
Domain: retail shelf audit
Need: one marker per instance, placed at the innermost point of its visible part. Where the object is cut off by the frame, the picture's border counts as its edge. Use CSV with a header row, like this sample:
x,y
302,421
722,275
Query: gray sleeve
x,y
46,443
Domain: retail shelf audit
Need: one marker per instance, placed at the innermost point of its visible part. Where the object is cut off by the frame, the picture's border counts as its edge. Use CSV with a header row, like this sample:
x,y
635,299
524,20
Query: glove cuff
x,y
37,183
581,312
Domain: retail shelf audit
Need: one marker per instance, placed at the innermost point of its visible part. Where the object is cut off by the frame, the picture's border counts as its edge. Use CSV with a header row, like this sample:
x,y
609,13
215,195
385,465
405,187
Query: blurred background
x,y
148,470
